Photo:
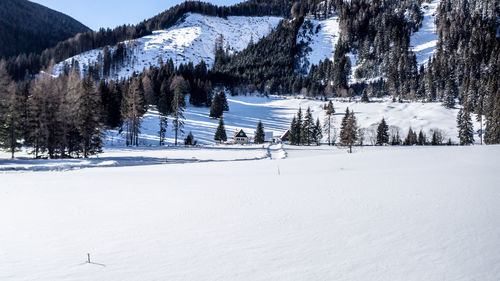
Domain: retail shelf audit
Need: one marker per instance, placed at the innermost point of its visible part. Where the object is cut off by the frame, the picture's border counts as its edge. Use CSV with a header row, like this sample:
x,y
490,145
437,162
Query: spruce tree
x,y
189,140
307,128
317,133
298,128
382,133
223,100
329,122
179,87
164,109
465,127
411,138
220,134
217,107
292,132
348,130
11,126
422,139
88,119
450,92
259,134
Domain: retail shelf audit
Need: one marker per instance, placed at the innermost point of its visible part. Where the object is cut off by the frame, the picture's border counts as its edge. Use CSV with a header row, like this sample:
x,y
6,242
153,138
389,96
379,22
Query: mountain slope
x,y
27,27
190,40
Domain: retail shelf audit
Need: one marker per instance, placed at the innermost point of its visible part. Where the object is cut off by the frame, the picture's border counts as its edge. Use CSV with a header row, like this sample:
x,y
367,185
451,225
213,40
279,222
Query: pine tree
x,y
292,132
317,133
179,87
217,107
133,107
422,139
223,100
492,134
298,127
329,122
307,129
164,110
259,134
450,92
364,96
88,119
11,126
189,140
465,127
348,130
220,134
382,133
411,138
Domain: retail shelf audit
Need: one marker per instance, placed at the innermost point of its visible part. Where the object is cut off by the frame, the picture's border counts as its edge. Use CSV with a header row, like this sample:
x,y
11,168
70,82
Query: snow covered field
x,y
276,114
191,40
384,213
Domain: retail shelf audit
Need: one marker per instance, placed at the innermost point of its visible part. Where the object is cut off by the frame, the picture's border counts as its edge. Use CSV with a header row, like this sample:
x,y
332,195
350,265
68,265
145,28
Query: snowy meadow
x,y
314,213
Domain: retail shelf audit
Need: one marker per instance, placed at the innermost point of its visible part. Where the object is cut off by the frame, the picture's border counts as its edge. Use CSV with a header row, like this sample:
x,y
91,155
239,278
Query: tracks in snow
x,y
276,151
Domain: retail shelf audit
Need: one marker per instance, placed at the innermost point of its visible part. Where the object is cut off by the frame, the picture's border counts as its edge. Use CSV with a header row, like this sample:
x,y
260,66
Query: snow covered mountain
x,y
321,37
191,40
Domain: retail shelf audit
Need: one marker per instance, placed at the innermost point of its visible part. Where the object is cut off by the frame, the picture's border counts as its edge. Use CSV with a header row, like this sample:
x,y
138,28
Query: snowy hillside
x,y
191,40
382,213
424,41
320,37
276,114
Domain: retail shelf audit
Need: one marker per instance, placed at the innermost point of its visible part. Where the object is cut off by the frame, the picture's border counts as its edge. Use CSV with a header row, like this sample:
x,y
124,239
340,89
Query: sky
x,y
111,13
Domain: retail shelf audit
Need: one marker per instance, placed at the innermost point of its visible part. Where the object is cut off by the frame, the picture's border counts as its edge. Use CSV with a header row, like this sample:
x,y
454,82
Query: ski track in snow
x,y
191,40
423,42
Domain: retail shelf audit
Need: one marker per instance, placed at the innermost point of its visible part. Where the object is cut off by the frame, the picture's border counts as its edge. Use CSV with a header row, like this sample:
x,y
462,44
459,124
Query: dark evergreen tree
x,y
307,128
382,133
329,122
11,116
422,139
317,134
259,134
293,132
220,134
189,140
465,127
217,107
179,87
348,130
411,138
88,119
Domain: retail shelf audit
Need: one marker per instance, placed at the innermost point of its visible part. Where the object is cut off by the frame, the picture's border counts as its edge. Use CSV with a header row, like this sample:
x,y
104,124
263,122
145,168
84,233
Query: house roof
x,y
240,134
286,134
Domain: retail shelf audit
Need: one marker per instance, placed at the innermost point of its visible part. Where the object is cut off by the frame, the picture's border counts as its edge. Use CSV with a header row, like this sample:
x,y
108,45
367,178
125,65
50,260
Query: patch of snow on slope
x,y
321,44
423,42
191,40
276,113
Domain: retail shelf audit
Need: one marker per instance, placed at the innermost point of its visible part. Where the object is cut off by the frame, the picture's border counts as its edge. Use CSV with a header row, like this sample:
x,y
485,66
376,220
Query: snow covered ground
x,y
191,40
276,114
321,41
424,41
382,213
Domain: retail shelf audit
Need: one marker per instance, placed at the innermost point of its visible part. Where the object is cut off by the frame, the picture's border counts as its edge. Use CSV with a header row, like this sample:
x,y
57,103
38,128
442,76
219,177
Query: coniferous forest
x,y
65,116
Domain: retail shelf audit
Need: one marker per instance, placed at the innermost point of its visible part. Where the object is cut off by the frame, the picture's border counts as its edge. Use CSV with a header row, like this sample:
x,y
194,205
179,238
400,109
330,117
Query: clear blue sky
x,y
111,13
